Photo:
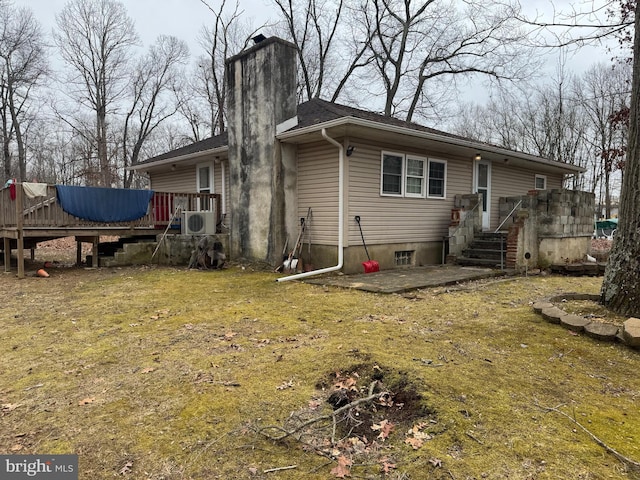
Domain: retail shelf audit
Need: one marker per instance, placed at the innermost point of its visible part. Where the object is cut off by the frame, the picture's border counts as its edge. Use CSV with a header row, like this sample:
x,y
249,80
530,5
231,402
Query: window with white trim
x,y
204,184
541,182
412,176
392,173
415,177
437,179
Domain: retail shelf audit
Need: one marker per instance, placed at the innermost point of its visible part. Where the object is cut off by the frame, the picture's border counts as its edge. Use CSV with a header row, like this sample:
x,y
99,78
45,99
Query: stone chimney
x,y
262,86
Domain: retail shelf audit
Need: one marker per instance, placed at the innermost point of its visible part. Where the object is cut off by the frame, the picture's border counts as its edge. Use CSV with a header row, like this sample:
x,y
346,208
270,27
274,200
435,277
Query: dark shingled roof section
x,y
221,140
319,111
311,113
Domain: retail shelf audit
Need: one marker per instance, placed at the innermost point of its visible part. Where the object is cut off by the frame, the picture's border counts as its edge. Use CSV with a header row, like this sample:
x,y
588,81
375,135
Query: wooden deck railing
x,y
46,212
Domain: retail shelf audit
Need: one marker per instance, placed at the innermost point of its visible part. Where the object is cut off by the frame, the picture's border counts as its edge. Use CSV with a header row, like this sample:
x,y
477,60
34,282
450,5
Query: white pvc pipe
x,y
224,188
340,218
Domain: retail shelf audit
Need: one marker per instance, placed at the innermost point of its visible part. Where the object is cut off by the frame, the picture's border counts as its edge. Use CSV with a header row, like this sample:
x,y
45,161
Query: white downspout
x,y
340,218
224,188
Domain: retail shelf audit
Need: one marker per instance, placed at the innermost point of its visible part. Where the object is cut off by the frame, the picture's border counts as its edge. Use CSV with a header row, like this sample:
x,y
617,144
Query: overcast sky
x,y
185,19
180,18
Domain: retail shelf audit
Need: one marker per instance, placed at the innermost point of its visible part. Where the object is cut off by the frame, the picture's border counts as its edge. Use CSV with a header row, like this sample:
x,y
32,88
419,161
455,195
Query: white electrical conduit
x,y
340,218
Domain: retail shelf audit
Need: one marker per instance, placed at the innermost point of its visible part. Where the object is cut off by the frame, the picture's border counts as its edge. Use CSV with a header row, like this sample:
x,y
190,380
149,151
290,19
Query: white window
x,y
437,179
411,176
415,177
392,173
204,184
541,182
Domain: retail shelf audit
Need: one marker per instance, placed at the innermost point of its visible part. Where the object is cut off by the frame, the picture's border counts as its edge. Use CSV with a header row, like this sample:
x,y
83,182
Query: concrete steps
x,y
487,249
126,251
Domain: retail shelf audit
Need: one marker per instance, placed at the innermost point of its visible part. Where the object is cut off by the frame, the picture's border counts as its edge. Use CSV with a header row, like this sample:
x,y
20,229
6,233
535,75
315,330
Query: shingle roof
x,y
310,113
318,111
210,143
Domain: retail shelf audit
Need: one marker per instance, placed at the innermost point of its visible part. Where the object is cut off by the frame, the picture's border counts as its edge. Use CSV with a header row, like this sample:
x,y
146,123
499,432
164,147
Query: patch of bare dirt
x,y
600,248
356,411
63,250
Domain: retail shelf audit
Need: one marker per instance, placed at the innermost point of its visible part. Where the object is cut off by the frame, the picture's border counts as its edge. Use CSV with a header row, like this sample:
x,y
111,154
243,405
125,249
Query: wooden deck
x,y
24,222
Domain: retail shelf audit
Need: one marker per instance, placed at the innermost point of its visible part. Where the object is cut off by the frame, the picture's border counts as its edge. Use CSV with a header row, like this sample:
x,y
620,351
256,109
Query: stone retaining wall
x,y
628,333
549,227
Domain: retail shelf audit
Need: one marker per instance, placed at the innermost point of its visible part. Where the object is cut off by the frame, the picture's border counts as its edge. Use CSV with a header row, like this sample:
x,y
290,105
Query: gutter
x,y
449,140
340,218
181,158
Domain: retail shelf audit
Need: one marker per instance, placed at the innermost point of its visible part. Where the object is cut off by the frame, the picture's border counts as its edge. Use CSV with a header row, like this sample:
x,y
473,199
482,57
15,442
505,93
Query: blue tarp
x,y
104,204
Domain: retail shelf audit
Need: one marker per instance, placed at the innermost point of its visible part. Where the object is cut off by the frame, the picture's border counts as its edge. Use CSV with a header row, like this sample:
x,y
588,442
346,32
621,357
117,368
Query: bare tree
x,y
621,284
331,43
155,77
603,92
228,34
23,64
545,120
95,38
421,48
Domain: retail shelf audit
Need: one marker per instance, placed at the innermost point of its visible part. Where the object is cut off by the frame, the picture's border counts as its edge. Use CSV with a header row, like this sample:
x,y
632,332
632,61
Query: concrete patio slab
x,y
407,279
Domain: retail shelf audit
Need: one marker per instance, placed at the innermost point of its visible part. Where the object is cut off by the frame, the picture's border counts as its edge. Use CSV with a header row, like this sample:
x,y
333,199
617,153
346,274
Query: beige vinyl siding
x,y
388,219
385,219
318,189
182,180
509,181
554,181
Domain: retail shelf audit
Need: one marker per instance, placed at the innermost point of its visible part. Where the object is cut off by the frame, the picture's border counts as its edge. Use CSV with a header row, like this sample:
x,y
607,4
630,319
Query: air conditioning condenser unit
x,y
199,223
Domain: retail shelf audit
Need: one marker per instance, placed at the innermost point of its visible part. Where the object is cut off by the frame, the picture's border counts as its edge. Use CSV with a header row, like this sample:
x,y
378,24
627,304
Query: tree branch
x,y
626,460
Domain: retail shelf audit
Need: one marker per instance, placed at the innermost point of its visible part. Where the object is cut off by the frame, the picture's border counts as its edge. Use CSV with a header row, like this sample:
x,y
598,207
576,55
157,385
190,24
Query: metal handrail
x,y
507,217
463,222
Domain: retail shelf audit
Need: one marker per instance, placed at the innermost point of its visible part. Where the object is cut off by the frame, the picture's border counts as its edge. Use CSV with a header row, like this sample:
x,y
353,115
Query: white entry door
x,y
482,184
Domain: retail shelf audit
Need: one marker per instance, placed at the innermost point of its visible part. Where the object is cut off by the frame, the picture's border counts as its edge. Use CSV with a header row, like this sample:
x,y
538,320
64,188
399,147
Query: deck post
x,y
94,252
7,254
78,252
20,228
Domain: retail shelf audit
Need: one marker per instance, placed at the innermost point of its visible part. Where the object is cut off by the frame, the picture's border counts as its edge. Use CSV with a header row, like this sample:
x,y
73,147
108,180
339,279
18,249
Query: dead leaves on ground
x,y
385,427
416,436
286,385
359,409
343,469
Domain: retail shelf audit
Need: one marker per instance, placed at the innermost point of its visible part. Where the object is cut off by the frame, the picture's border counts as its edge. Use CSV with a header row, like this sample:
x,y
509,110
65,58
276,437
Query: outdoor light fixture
x,y
350,150
478,157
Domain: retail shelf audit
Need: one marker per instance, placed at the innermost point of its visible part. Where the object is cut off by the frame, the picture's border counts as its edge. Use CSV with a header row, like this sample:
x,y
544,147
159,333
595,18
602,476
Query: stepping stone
x,y
631,332
574,322
601,331
539,306
552,314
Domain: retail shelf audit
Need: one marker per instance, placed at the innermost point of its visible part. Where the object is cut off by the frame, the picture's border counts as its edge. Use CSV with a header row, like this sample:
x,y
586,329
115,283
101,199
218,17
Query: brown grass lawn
x,y
166,373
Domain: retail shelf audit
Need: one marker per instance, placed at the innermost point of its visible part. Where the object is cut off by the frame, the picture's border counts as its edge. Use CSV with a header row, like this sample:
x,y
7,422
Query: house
x,y
280,160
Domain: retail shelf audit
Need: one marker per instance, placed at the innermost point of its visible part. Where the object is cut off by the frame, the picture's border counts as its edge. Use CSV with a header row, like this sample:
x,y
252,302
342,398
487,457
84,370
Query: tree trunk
x,y
22,157
621,285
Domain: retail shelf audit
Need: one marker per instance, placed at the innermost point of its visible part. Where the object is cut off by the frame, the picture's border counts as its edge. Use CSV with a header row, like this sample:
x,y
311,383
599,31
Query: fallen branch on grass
x,y
279,469
330,416
627,461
